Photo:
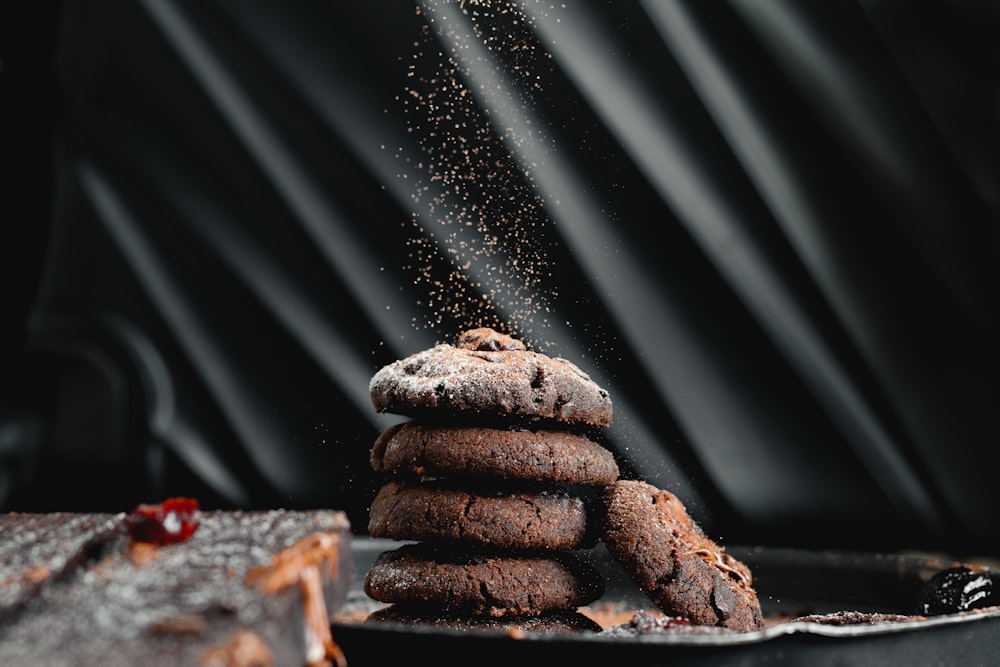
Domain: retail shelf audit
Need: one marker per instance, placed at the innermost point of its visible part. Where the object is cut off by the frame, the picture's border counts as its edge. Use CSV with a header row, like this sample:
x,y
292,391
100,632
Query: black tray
x,y
789,583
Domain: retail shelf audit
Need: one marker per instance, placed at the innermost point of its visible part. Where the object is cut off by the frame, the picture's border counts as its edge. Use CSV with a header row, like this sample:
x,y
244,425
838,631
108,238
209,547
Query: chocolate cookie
x,y
558,457
546,517
482,583
668,556
556,621
489,375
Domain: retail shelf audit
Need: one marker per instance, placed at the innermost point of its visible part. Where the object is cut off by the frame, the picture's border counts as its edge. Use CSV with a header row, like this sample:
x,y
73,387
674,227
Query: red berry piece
x,y
173,520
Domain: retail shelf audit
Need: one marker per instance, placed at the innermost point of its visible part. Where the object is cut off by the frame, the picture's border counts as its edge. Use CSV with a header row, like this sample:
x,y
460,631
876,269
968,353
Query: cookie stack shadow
x,y
491,483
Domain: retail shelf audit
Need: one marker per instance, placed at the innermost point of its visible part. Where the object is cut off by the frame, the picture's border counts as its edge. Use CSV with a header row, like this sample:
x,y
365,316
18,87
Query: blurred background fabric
x,y
768,227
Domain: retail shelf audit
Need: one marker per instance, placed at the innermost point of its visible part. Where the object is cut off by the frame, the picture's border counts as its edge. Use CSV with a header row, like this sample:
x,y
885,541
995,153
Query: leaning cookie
x,y
557,457
682,571
473,582
562,621
489,376
535,518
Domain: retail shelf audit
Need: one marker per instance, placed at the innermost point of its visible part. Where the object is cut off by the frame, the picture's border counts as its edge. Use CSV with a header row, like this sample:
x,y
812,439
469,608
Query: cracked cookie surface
x,y
535,518
550,456
483,583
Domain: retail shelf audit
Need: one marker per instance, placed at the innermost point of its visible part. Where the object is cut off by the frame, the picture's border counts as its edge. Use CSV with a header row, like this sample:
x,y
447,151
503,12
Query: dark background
x,y
768,228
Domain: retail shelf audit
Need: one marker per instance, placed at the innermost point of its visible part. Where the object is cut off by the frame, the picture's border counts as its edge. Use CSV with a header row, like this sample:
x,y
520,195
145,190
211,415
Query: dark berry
x,y
956,589
173,520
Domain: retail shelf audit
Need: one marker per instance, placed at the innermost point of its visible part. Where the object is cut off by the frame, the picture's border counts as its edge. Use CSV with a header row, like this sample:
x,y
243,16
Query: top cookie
x,y
488,374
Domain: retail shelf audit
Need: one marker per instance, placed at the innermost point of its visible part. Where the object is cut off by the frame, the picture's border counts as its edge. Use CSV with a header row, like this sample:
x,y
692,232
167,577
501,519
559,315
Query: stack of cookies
x,y
496,479
488,484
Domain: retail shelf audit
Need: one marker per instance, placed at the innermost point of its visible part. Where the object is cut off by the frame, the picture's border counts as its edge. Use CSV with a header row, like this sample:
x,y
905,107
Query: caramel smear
x,y
35,575
141,553
302,564
243,649
194,625
722,562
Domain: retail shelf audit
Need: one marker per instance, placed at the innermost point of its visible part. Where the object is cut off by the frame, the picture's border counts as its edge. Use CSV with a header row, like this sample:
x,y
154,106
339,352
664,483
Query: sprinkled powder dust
x,y
475,209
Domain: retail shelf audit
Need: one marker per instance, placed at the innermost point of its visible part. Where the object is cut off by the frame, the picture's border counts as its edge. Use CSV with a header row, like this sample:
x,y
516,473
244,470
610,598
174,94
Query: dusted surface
x,y
123,604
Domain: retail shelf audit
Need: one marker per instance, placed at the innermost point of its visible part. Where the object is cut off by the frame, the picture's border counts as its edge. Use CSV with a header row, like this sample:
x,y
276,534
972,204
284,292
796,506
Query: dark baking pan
x,y
790,583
